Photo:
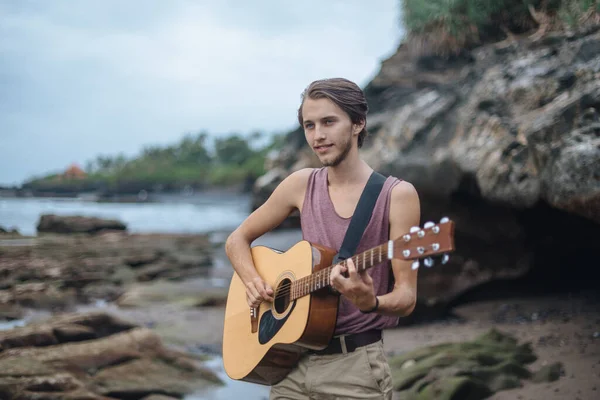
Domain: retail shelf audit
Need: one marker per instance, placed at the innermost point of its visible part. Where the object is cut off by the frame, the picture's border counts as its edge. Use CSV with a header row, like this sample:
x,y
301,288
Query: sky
x,y
85,78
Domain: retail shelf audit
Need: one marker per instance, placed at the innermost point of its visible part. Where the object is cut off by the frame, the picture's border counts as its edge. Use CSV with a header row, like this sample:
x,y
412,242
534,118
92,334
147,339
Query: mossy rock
x,y
491,362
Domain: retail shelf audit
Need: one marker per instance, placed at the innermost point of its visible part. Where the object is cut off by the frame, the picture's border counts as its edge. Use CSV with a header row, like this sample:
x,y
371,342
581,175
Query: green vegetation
x,y
196,161
449,26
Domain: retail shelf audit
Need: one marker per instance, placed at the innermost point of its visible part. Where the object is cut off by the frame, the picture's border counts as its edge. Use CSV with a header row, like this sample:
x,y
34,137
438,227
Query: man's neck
x,y
353,170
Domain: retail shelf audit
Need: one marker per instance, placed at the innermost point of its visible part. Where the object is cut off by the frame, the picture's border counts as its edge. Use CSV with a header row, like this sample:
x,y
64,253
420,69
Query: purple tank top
x,y
322,225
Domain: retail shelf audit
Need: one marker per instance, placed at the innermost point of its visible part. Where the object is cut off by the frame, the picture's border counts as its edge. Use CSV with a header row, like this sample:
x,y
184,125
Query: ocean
x,y
198,213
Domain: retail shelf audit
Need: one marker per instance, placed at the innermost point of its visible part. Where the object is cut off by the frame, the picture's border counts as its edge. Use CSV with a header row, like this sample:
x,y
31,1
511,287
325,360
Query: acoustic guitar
x,y
262,345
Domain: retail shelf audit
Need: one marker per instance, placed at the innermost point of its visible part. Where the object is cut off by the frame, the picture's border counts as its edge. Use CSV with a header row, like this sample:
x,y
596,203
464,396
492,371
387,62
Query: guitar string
x,y
314,278
317,277
284,290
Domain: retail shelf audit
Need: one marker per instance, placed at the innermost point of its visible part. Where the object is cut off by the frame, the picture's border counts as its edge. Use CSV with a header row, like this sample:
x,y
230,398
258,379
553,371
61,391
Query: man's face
x,y
328,130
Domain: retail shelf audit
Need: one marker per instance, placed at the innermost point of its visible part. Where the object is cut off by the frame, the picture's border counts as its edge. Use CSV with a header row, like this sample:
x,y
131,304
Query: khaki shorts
x,y
362,374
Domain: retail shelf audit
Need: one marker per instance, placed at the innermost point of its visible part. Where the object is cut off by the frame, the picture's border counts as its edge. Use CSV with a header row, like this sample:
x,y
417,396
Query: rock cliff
x,y
505,140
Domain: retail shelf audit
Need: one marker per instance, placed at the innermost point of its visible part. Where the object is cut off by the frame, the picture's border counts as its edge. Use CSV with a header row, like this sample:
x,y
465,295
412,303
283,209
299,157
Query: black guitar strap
x,y
361,217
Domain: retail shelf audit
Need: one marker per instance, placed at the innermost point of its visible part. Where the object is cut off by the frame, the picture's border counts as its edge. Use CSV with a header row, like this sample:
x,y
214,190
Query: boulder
x,y
77,224
94,356
471,370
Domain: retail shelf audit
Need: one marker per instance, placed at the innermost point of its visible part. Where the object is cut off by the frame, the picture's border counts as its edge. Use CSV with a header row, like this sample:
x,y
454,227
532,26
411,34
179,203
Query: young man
x,y
333,114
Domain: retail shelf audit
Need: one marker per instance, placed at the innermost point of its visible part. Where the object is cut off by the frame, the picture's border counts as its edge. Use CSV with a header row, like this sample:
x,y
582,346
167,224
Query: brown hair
x,y
346,95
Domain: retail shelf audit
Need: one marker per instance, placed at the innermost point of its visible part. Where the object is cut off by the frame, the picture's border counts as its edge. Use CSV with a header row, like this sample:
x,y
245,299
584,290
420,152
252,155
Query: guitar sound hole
x,y
282,298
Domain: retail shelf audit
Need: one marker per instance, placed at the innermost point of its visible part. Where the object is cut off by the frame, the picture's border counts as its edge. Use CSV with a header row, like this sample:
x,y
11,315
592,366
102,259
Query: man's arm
x,y
405,212
288,196
358,286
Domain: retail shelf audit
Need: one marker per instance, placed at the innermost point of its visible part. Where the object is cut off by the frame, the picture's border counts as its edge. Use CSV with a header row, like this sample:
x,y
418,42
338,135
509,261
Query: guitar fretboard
x,y
320,279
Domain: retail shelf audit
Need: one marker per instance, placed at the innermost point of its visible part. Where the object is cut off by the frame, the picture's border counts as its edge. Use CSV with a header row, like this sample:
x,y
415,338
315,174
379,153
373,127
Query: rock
x,y
63,329
158,397
7,232
10,311
470,370
165,292
59,271
77,224
507,144
94,356
144,377
548,373
43,296
142,258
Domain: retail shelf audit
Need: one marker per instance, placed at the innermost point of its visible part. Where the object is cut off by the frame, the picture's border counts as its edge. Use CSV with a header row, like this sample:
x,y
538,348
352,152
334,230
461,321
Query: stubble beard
x,y
347,146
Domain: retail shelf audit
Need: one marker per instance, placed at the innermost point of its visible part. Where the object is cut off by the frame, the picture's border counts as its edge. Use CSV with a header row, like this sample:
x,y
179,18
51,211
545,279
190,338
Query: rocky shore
x,y
56,271
118,316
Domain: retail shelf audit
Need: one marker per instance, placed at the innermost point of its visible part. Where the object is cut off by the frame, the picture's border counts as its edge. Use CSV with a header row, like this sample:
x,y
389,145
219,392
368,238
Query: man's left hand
x,y
356,285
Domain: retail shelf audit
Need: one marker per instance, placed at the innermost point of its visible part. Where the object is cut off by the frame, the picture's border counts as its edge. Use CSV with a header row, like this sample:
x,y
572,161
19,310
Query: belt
x,y
350,342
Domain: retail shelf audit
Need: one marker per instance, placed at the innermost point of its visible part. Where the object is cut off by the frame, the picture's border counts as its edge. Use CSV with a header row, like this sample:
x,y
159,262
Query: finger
x,y
335,275
263,289
365,277
352,273
251,289
251,300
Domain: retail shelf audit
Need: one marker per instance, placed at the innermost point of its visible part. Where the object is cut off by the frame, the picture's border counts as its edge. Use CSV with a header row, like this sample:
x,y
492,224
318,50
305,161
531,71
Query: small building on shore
x,y
74,172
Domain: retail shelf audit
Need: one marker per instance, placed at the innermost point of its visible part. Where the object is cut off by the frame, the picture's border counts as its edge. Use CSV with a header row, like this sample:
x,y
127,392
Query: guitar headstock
x,y
433,239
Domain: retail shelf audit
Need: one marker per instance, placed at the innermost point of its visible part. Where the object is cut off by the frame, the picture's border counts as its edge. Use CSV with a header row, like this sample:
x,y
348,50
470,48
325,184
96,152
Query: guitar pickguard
x,y
269,325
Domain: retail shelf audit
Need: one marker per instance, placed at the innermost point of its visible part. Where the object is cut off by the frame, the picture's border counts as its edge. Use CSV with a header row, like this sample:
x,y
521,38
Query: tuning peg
x,y
415,265
428,224
444,220
428,262
445,258
414,229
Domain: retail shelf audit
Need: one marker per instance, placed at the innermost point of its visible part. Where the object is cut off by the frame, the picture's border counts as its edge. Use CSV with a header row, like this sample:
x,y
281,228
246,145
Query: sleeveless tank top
x,y
322,225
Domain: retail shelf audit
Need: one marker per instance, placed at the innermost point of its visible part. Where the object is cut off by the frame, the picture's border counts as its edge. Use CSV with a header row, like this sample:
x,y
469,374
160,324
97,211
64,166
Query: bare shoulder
x,y
290,192
404,192
300,177
287,196
405,208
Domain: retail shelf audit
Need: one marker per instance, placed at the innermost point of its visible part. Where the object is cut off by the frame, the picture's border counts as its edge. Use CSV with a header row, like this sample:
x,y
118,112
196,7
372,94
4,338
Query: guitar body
x,y
286,329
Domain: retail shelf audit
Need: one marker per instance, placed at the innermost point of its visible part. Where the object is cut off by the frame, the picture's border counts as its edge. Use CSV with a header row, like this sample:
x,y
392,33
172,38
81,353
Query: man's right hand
x,y
258,291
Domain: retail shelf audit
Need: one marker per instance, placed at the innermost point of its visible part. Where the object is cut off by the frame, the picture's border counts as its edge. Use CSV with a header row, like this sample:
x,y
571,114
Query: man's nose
x,y
320,132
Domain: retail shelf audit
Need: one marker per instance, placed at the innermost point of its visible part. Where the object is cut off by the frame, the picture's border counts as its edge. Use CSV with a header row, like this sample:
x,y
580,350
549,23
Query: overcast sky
x,y
89,77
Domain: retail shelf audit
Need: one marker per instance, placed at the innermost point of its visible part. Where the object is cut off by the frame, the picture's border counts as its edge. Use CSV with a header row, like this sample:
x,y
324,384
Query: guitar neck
x,y
318,280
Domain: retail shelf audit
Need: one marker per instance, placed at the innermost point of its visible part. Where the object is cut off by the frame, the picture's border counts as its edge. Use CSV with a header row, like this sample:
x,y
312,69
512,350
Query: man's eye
x,y
308,126
328,121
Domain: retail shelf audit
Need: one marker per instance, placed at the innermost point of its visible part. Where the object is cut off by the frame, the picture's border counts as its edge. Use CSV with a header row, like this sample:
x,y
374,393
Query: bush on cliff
x,y
446,27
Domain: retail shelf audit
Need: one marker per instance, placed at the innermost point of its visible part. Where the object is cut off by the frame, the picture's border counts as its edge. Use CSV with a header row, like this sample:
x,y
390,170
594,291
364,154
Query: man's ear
x,y
357,128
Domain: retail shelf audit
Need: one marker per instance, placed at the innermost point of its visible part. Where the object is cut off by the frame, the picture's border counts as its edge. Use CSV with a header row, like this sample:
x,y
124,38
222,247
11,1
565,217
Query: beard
x,y
346,147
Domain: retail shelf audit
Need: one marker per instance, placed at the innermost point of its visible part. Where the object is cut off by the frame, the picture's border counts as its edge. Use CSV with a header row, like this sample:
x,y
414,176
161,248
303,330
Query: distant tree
x,y
232,150
192,150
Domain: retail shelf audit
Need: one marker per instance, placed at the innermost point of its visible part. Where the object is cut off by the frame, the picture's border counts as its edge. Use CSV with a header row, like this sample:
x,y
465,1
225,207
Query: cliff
x,y
505,140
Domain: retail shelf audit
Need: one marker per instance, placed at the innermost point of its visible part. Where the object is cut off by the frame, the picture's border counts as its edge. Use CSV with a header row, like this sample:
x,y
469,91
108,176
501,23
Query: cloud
x,y
84,78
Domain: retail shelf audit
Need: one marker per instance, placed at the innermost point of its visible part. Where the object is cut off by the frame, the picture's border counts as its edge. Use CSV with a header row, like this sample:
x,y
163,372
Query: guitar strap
x,y
361,216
